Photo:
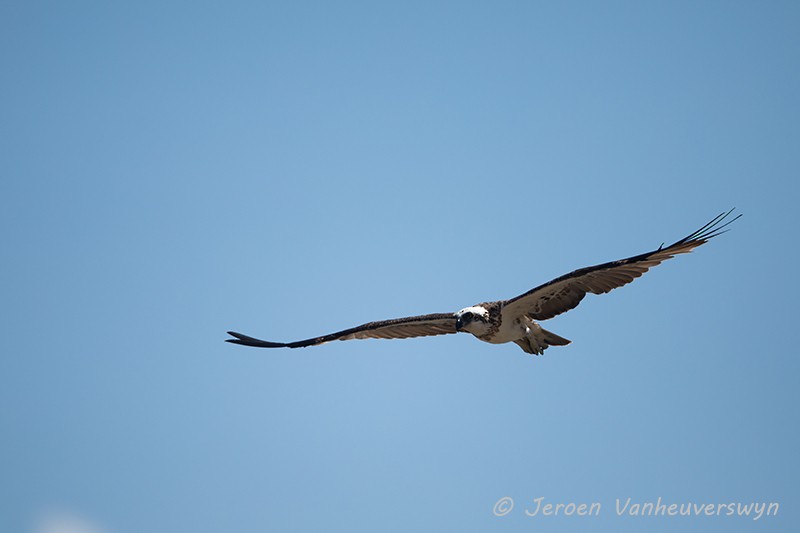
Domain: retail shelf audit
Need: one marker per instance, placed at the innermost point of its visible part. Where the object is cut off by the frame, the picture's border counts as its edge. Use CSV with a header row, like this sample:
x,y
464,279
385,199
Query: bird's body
x,y
516,320
488,322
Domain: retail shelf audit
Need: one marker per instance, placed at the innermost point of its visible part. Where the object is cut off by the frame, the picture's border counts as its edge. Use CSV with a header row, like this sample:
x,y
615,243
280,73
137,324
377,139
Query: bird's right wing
x,y
396,328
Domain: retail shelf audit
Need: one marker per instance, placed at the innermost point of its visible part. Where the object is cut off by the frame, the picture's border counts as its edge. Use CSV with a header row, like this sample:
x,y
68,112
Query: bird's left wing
x,y
396,328
566,292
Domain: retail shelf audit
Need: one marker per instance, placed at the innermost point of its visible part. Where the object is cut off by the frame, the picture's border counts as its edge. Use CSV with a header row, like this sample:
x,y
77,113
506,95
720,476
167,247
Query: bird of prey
x,y
516,320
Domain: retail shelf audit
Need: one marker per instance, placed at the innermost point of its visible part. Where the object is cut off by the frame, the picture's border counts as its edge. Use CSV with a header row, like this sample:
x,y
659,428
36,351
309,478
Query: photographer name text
x,y
538,507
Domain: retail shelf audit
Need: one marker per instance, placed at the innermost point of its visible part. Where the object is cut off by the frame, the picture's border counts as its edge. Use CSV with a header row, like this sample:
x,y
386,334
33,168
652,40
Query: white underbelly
x,y
509,332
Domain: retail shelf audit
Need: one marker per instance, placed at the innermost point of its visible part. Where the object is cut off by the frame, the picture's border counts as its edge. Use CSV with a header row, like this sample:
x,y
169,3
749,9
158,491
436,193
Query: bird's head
x,y
473,319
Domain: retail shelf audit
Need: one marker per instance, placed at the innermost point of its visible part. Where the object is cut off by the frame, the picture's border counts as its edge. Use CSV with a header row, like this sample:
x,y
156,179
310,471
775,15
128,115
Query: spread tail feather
x,y
537,343
554,340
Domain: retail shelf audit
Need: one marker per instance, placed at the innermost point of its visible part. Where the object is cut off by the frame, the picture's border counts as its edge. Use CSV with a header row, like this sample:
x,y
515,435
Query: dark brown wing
x,y
396,328
566,292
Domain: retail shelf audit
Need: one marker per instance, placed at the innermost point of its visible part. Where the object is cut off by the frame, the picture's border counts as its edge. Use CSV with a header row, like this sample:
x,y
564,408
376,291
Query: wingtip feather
x,y
710,230
244,340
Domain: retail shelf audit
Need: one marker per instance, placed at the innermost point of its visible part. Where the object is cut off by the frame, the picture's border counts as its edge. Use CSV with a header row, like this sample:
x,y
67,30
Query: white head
x,y
474,319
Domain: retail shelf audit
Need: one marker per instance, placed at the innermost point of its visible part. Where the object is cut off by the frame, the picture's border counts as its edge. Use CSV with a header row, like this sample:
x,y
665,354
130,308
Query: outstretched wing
x,y
566,292
396,328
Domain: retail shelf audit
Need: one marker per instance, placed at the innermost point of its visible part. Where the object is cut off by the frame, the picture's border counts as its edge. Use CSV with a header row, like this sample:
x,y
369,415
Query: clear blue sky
x,y
171,171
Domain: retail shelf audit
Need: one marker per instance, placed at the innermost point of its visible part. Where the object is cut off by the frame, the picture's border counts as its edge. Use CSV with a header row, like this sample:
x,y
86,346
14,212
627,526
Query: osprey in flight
x,y
515,320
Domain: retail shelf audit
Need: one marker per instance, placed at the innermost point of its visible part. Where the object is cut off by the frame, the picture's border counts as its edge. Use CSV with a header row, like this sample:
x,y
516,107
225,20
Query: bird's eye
x,y
469,315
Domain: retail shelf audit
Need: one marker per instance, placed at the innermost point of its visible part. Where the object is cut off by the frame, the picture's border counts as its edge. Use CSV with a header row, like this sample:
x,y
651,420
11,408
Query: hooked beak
x,y
459,324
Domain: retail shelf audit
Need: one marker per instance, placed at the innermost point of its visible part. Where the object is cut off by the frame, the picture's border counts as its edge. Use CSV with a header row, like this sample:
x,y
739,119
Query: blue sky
x,y
172,171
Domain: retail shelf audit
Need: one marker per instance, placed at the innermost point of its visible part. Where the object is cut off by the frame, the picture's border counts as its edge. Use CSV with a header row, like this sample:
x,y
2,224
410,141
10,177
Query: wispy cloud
x,y
66,522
